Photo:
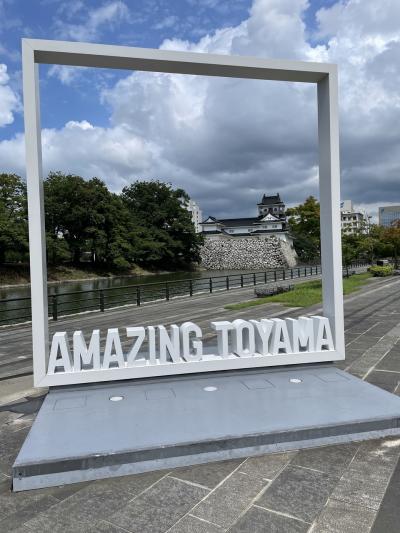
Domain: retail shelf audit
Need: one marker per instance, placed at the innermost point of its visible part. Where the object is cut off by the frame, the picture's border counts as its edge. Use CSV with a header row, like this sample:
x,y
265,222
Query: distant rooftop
x,y
271,200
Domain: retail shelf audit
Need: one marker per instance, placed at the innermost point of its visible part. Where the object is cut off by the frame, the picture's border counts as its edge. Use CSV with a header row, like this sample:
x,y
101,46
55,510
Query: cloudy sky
x,y
225,141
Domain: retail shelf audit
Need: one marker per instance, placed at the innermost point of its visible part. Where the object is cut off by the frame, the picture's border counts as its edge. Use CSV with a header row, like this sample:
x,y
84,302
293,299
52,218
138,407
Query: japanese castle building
x,y
271,220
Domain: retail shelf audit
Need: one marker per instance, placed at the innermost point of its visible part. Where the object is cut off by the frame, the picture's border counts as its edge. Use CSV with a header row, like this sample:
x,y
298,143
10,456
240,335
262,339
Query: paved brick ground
x,y
343,489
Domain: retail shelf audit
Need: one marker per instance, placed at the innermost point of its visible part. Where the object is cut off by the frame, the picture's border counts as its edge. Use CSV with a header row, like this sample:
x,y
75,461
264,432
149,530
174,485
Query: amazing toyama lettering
x,y
162,346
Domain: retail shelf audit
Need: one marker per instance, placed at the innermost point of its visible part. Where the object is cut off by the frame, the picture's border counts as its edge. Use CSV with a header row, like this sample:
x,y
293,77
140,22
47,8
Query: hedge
x,y
381,271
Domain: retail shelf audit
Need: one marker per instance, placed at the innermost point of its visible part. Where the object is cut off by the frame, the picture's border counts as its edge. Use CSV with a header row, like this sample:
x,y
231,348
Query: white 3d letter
x,y
152,345
222,328
113,342
138,332
243,339
302,333
82,354
59,342
170,344
280,342
322,332
263,330
196,354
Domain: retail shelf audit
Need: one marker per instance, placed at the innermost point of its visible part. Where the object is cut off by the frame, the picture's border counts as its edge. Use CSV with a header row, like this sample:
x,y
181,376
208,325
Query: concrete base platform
x,y
81,434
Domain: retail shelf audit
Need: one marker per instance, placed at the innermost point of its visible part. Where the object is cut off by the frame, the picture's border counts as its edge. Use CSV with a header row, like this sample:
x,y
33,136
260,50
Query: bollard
x,y
55,307
102,301
138,302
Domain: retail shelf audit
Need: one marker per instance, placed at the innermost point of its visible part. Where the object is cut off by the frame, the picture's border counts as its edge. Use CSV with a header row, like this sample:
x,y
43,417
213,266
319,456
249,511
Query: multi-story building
x,y
196,214
352,220
389,215
271,220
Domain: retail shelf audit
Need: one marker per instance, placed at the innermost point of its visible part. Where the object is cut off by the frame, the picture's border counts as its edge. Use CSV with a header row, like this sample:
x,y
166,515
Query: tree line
x,y
368,242
146,224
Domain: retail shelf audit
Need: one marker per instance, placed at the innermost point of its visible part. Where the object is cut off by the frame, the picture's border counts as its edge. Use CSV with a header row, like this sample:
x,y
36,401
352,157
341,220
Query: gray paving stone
x,y
224,505
342,517
298,492
5,483
11,439
21,529
24,512
135,484
6,462
15,509
6,417
330,459
94,502
257,520
370,358
158,508
388,516
391,361
385,380
208,475
365,481
191,524
104,527
65,491
266,466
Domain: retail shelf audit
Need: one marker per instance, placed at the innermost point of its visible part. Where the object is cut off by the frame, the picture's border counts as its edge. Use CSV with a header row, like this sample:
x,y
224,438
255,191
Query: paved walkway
x,y
336,489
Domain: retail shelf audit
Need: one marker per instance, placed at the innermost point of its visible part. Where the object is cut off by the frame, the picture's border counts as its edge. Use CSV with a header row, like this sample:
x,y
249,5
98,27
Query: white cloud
x,y
66,74
81,148
9,101
227,141
166,22
95,21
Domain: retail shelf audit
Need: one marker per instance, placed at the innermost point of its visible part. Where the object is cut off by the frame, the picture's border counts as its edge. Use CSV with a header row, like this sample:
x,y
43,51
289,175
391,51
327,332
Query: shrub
x,y
381,271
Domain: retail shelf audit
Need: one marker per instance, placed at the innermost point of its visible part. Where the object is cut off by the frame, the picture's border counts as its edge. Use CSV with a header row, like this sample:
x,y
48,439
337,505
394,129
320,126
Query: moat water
x,y
121,290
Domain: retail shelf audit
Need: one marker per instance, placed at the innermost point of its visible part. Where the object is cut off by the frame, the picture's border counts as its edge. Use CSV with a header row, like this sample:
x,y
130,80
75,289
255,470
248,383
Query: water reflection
x,y
19,310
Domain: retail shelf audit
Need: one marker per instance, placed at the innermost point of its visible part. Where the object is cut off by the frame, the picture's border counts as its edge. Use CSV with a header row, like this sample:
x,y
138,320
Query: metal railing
x,y
15,310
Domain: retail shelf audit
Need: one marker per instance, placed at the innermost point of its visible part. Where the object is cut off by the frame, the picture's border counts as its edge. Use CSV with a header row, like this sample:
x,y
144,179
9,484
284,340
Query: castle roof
x,y
235,222
271,200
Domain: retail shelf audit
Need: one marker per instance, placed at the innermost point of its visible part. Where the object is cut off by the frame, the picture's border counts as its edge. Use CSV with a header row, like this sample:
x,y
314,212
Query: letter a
x,y
113,342
82,354
59,343
280,342
323,334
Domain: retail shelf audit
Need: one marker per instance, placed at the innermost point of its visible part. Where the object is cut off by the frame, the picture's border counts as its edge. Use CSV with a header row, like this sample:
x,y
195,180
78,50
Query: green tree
x,y
13,218
167,234
66,211
304,224
391,236
88,218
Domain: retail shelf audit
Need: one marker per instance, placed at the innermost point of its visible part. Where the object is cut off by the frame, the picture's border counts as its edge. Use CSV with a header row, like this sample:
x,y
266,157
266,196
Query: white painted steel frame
x,y
35,52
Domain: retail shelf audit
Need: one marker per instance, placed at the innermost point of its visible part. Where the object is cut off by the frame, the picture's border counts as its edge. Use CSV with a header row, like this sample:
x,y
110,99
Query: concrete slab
x,y
80,434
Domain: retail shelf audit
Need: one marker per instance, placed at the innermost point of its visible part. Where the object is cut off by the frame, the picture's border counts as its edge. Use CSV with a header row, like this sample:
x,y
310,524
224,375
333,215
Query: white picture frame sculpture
x,y
35,52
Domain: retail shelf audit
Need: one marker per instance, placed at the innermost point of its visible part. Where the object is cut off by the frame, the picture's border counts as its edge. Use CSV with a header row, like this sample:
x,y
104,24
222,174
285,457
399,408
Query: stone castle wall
x,y
246,253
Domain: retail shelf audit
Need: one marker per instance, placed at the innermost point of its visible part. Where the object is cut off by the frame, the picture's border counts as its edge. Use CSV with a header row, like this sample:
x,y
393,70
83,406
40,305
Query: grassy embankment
x,y
304,294
19,274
